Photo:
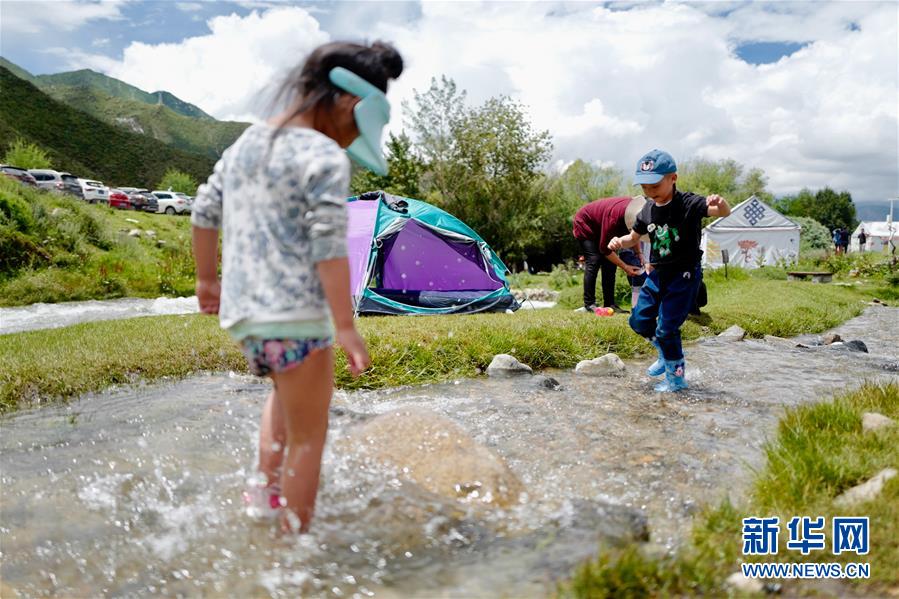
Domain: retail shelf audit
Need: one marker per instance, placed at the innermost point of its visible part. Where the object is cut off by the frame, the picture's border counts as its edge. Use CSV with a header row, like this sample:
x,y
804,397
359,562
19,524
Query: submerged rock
x,y
506,365
830,338
607,365
734,333
856,345
546,382
866,491
438,455
872,421
746,585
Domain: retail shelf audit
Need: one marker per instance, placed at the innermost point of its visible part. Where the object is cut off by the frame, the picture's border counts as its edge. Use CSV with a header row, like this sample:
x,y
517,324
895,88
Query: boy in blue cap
x,y
673,221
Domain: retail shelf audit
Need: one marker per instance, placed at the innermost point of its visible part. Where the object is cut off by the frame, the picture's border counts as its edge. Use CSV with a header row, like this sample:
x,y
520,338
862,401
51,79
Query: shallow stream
x,y
136,491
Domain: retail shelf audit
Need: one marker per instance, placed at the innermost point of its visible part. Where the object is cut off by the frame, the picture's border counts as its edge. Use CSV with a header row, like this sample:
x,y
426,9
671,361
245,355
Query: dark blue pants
x,y
663,306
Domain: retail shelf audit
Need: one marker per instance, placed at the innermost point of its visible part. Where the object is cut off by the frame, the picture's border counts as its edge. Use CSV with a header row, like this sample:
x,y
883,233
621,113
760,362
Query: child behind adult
x,y
673,221
278,194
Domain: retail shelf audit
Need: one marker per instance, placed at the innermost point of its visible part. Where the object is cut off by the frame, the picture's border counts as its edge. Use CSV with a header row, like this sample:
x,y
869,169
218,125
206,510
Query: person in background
x,y
862,240
673,221
278,194
595,224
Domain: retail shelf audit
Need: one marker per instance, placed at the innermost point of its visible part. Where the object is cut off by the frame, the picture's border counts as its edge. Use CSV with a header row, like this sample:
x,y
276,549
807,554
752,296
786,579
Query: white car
x,y
171,202
94,191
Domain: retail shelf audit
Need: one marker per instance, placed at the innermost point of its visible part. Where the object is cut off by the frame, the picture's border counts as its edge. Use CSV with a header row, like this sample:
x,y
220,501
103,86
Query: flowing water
x,y
136,491
51,316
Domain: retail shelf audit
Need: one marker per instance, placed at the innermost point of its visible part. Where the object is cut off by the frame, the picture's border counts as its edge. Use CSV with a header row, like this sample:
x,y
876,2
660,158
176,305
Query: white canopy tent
x,y
754,235
877,234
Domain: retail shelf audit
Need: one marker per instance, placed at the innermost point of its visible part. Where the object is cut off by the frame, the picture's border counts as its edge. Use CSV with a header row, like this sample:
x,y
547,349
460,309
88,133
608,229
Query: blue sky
x,y
805,90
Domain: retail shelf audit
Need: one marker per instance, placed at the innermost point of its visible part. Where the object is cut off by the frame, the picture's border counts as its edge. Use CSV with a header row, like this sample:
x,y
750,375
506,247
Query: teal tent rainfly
x,y
409,257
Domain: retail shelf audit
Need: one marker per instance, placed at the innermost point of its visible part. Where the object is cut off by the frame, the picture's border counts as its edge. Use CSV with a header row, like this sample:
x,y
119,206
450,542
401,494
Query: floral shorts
x,y
277,355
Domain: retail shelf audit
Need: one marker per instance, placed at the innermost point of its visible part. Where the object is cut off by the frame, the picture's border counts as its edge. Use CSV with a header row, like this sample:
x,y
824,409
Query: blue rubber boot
x,y
657,368
674,377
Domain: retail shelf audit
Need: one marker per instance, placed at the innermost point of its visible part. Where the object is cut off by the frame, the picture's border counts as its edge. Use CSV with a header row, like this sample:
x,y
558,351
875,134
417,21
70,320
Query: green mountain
x,y
84,145
120,89
162,115
209,138
18,71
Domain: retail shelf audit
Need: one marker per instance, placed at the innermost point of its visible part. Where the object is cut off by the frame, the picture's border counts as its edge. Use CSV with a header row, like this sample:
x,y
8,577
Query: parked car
x,y
72,185
94,191
58,181
171,203
19,174
119,199
141,199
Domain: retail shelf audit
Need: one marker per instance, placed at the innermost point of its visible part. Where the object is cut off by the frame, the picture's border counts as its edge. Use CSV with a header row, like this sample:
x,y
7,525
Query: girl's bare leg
x,y
272,439
304,393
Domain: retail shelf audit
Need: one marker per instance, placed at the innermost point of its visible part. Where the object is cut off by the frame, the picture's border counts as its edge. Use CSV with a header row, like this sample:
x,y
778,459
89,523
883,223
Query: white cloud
x,y
224,72
189,6
34,16
609,84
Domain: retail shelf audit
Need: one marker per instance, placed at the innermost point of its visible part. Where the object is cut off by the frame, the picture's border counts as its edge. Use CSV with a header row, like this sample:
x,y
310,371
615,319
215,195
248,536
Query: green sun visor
x,y
371,114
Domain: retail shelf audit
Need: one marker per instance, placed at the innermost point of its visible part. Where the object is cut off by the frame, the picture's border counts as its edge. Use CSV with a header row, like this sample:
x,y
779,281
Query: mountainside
x,y
162,115
209,138
84,145
120,89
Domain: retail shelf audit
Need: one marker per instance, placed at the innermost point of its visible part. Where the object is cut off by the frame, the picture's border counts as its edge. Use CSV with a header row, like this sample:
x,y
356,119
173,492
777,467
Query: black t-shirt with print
x,y
675,230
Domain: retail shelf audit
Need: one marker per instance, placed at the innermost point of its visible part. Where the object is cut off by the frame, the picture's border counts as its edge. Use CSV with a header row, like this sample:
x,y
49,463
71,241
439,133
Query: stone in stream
x,y
746,585
438,455
872,421
734,333
506,365
546,382
830,338
607,365
866,491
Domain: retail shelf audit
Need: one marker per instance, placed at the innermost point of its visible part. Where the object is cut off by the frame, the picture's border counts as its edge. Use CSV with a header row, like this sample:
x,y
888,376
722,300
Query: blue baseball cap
x,y
653,166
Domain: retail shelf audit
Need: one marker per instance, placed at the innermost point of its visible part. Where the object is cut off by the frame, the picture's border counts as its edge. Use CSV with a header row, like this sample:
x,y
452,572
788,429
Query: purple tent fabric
x,y
417,259
362,216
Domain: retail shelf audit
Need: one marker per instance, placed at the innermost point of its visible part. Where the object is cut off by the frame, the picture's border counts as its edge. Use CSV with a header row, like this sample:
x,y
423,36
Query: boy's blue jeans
x,y
663,306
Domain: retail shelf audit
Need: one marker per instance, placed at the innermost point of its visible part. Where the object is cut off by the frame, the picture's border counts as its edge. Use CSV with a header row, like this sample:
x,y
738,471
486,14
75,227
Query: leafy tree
x,y
814,235
753,184
828,207
178,181
706,177
481,164
433,118
493,166
26,155
404,171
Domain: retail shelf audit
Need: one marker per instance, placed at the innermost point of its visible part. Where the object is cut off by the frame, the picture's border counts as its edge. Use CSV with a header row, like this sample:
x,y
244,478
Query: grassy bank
x,y
62,363
820,451
55,248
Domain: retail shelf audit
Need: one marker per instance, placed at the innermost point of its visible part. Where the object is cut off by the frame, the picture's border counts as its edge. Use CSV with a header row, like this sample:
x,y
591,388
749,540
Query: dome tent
x,y
754,234
409,257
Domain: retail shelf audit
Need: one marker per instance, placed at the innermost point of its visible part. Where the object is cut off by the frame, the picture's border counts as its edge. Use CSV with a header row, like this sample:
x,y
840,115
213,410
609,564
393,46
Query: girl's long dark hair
x,y
376,63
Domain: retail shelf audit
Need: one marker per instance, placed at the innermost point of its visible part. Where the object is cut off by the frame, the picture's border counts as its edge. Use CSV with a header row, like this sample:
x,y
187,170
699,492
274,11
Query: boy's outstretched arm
x,y
718,206
209,290
625,241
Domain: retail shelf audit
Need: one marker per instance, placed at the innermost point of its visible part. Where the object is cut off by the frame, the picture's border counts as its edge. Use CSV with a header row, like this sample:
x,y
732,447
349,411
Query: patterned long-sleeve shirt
x,y
280,203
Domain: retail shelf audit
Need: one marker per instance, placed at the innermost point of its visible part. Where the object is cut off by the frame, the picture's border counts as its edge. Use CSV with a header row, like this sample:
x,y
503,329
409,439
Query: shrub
x,y
26,155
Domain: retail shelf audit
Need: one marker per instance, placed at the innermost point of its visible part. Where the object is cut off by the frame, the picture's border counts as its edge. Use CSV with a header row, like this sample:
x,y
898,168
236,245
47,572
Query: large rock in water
x,y
607,365
506,365
734,333
438,455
